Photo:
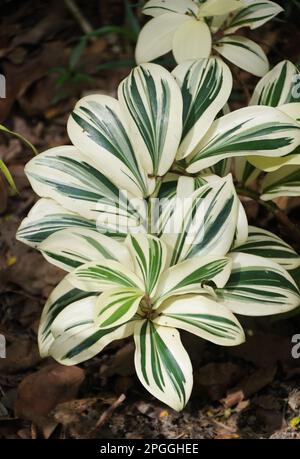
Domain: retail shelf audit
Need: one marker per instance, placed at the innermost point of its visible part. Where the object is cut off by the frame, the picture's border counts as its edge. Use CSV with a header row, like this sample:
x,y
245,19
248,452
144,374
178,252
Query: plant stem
x,y
281,216
77,14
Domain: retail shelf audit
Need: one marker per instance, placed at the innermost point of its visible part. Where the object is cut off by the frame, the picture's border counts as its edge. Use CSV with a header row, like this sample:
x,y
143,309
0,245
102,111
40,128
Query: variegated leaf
x,y
61,297
265,244
253,15
157,7
273,164
244,53
218,7
103,275
162,364
195,275
73,247
204,223
258,287
283,182
73,180
46,217
264,130
97,127
205,86
203,317
116,306
245,172
241,233
152,102
82,342
221,169
149,255
177,188
279,86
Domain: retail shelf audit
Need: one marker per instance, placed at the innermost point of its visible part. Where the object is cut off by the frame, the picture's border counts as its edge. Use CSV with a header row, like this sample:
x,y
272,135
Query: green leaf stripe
x,y
261,285
38,230
250,139
103,126
203,273
104,275
151,118
215,325
265,244
119,304
59,305
245,15
151,266
201,86
160,358
91,184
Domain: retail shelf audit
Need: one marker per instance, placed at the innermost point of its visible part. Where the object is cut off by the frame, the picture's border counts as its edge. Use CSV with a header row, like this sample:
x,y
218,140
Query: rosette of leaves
x,y
149,287
194,29
279,88
136,271
162,122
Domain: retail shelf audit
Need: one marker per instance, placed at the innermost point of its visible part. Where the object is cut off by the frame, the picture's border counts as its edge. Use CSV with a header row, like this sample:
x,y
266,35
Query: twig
x,y
82,21
281,216
107,414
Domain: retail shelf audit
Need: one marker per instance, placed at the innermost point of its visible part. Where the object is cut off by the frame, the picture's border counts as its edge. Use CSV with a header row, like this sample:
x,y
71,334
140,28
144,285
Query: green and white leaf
x,y
254,15
205,86
218,7
116,306
152,102
178,187
98,128
73,247
244,53
283,182
241,233
279,86
61,297
82,342
149,255
46,217
73,180
265,244
162,364
97,276
195,275
245,172
202,317
157,7
258,287
264,130
77,314
221,169
204,223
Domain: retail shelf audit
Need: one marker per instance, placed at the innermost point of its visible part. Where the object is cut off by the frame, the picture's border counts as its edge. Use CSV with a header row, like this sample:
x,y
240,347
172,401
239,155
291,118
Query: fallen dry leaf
x,y
40,392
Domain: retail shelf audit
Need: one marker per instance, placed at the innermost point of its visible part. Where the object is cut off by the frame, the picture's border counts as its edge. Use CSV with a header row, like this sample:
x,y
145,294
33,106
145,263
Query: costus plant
x,y
154,240
194,29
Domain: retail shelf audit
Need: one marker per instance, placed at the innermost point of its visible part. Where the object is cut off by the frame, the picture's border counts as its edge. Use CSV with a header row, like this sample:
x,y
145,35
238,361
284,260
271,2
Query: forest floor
x,y
252,391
